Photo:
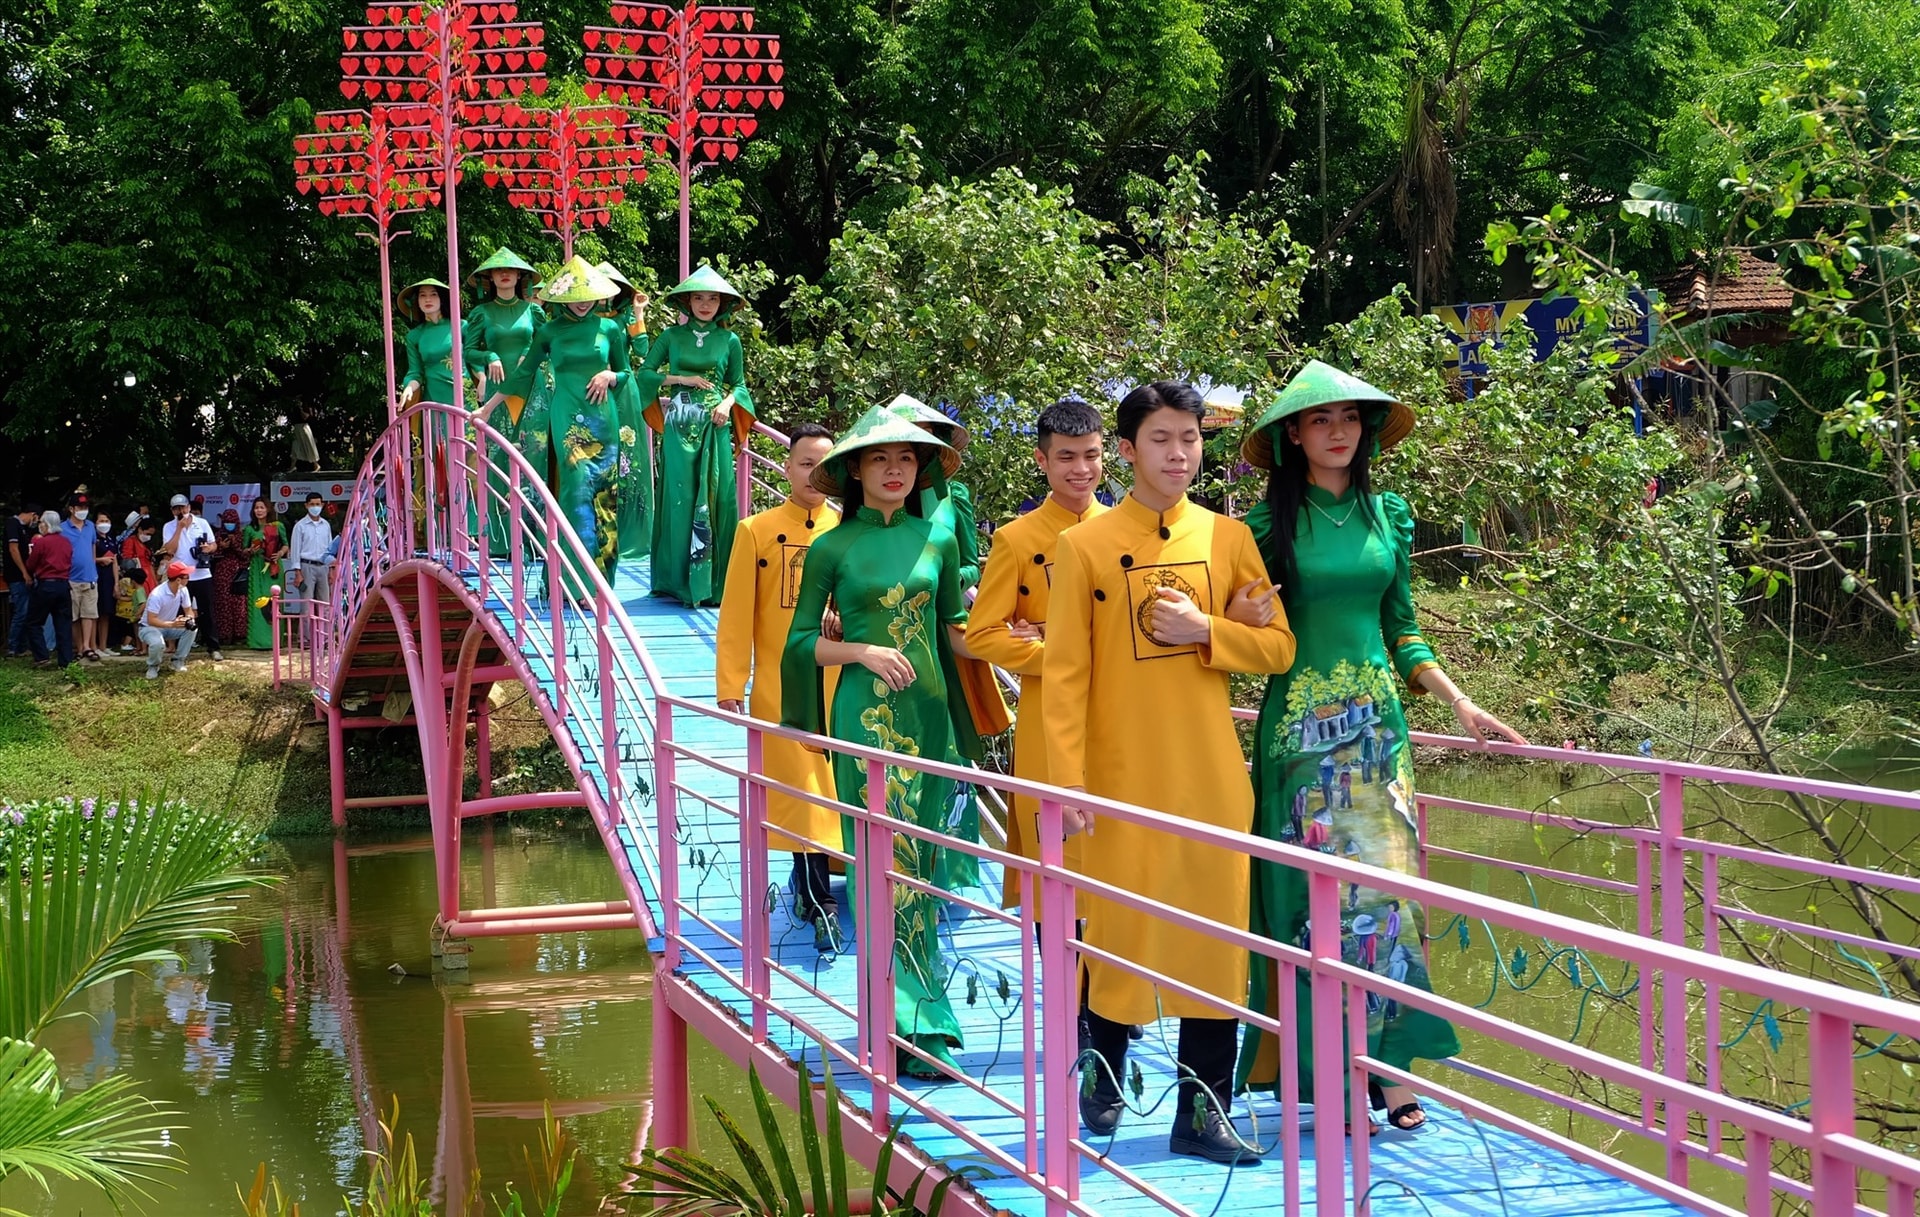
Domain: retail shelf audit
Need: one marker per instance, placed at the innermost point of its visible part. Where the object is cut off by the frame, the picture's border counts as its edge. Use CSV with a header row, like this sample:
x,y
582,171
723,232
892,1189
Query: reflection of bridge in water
x,y
317,950
1686,1111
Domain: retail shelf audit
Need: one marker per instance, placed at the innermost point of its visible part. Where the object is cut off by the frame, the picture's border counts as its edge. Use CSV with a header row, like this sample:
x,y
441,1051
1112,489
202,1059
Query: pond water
x,y
285,1046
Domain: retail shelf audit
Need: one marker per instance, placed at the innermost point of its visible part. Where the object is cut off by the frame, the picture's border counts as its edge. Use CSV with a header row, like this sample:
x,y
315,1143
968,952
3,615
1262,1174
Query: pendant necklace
x,y
1340,522
699,339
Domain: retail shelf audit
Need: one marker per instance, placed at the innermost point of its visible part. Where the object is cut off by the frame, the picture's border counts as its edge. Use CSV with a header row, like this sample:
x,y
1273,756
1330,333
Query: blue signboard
x,y
1475,325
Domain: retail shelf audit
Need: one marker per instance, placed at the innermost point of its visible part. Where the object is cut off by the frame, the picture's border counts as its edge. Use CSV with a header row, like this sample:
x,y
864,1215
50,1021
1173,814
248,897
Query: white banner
x,y
236,497
290,494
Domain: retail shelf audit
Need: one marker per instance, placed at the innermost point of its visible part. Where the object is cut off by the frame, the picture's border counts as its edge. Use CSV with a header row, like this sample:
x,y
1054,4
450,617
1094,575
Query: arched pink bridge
x,y
1733,1089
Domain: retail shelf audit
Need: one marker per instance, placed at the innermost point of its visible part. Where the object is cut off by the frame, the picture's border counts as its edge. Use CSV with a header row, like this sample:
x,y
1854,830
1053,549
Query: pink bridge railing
x,y
1750,1142
1669,1125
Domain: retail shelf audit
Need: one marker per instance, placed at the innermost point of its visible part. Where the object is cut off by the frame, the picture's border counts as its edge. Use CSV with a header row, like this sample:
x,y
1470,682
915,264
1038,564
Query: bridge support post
x,y
336,766
672,1089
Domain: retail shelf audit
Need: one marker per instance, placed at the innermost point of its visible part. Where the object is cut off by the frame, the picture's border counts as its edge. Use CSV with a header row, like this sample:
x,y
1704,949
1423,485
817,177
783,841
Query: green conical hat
x,y
502,259
1315,385
577,282
627,290
706,279
916,411
408,295
881,425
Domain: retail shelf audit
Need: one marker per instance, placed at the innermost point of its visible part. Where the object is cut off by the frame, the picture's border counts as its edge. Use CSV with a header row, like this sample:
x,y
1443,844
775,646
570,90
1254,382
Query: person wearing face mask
x,y
83,576
230,578
22,527
189,538
707,417
106,560
309,565
50,565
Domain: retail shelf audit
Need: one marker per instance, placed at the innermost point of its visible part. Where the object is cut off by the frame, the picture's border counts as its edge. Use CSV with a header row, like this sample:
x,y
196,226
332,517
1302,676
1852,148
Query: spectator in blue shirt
x,y
83,581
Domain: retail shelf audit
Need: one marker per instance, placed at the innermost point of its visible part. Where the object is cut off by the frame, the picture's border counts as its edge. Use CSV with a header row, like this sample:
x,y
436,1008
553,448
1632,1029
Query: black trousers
x,y
206,619
1206,1053
52,601
811,895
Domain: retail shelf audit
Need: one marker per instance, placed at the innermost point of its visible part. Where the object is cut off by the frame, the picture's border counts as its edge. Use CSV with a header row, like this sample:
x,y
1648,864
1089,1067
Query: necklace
x,y
1340,522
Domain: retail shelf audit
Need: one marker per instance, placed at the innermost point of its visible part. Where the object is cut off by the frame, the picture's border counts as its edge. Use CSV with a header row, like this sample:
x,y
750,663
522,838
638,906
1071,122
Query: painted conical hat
x,y
916,411
502,259
409,294
881,426
577,282
1316,385
706,279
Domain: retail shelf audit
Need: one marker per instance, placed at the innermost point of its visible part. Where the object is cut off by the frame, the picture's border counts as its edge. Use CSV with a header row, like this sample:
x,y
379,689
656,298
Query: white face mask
x,y
103,528
80,513
314,510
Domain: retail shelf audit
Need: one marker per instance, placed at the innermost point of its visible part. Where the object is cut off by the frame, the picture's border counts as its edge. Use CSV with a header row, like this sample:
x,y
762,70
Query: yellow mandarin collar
x,y
1146,517
1059,516
801,515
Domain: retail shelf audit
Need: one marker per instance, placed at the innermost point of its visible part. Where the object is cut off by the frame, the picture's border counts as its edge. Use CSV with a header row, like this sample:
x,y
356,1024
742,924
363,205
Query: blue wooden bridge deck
x,y
1450,1168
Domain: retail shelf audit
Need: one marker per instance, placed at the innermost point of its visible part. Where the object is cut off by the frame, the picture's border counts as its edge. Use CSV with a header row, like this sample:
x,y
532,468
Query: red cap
x,y
178,570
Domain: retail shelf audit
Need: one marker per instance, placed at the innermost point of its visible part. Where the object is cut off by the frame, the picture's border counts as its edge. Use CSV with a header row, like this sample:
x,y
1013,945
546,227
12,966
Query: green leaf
x,y
104,1135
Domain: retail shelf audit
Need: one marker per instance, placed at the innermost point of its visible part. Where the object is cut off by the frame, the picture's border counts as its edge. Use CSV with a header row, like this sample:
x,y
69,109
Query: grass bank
x,y
219,736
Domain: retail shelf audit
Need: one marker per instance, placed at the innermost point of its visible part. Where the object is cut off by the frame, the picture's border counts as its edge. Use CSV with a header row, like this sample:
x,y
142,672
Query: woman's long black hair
x,y
1287,498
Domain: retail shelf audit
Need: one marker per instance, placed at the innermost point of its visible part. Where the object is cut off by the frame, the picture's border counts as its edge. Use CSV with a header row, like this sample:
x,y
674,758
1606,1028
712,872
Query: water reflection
x,y
288,1045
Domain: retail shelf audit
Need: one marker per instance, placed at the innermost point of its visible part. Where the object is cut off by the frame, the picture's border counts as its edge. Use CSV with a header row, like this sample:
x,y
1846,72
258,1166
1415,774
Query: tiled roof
x,y
1751,285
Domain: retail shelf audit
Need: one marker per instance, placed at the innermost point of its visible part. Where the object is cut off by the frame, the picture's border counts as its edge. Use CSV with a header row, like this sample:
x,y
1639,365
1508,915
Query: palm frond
x,y
90,899
105,1135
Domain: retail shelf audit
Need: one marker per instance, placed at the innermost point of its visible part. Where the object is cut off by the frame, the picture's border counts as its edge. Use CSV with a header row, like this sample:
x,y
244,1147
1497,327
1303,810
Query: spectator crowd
x,y
80,589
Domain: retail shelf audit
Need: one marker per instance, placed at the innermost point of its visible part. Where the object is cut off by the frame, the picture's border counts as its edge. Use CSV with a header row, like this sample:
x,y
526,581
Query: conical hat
x,y
409,294
627,290
916,411
578,282
1316,385
880,426
706,279
502,259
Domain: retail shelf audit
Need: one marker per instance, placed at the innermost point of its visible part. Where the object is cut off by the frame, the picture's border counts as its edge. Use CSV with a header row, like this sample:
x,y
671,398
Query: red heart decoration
x,y
302,185
659,45
709,124
730,46
514,60
537,60
394,63
708,19
730,151
418,89
416,38
776,97
490,12
775,71
710,97
773,48
417,64
746,19
755,97
711,148
619,14
753,70
659,18
660,147
711,70
376,15
350,88
593,90
732,97
433,196
517,86
746,127
733,71
349,64
351,37
326,207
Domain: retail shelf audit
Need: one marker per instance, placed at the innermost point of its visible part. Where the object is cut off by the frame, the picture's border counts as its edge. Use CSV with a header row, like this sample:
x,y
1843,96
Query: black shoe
x,y
1214,1140
826,933
1100,1111
1136,1032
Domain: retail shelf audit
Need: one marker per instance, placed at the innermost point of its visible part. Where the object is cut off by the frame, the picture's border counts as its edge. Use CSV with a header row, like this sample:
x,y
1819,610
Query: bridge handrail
x,y
1669,1092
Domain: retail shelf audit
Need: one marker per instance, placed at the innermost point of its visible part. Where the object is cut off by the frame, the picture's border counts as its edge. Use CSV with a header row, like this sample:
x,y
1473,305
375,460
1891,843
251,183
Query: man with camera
x,y
170,618
189,539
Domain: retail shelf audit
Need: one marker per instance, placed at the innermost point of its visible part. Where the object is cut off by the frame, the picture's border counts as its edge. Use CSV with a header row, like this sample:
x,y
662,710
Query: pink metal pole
x,y
1333,1113
755,931
483,749
337,771
609,712
672,1123
1059,1016
1673,989
273,619
383,239
876,926
1831,1112
430,708
686,178
667,831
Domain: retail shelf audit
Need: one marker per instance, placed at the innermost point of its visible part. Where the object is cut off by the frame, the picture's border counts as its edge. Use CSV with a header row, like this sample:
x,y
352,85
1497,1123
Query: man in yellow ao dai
x,y
756,612
1139,648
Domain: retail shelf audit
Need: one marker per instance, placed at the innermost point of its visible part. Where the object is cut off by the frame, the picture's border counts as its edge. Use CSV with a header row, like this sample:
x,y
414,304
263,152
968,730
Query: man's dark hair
x,y
29,508
1069,417
312,495
802,431
1160,395
145,524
